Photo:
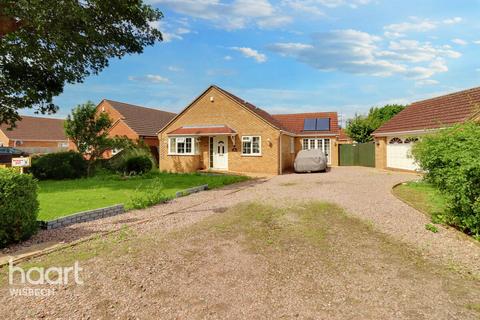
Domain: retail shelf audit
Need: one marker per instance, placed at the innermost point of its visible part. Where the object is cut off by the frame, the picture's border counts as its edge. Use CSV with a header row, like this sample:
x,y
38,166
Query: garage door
x,y
399,156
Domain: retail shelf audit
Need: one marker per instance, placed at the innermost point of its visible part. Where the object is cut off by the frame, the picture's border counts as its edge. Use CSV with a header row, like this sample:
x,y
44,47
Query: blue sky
x,y
297,56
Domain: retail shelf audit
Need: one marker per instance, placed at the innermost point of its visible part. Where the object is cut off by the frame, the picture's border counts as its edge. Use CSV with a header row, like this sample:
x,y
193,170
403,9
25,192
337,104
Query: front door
x,y
220,152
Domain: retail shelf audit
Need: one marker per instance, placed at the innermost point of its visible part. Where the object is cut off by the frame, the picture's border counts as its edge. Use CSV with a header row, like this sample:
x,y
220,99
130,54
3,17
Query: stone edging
x,y
83,217
191,190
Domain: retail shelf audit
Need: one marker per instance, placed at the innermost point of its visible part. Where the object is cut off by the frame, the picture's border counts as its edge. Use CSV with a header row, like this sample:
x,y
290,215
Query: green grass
x,y
422,196
61,198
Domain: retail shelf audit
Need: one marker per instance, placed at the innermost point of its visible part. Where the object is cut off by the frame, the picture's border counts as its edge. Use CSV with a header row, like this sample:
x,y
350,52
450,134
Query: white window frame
x,y
318,143
194,146
251,154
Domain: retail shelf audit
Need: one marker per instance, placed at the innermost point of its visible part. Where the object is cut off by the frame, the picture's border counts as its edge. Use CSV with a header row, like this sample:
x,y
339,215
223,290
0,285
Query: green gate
x,y
360,154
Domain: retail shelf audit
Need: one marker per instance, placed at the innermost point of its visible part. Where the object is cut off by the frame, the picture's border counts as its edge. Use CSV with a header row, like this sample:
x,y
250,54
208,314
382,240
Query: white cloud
x,y
454,20
460,41
251,53
416,24
170,31
358,52
227,58
174,69
237,14
398,30
151,78
426,82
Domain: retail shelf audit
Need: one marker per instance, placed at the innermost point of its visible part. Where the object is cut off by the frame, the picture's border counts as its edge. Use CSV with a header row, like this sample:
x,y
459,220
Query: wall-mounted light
x,y
212,99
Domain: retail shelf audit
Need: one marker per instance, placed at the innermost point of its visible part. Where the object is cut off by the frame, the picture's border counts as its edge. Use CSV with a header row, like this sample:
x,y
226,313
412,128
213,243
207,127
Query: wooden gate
x,y
360,154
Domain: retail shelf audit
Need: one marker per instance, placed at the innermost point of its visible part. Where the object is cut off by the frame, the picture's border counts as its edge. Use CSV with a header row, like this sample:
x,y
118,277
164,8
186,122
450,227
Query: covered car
x,y
310,161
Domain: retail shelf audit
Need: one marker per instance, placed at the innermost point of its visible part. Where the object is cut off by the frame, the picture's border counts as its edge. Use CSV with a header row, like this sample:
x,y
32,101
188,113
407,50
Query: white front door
x,y
220,153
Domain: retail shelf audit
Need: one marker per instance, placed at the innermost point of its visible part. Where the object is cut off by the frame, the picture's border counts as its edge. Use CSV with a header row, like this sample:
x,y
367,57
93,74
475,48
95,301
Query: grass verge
x,y
61,198
422,196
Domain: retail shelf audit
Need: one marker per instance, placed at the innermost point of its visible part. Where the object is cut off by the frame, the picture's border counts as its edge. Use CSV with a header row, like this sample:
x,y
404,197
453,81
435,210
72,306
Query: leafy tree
x,y
88,130
360,128
45,44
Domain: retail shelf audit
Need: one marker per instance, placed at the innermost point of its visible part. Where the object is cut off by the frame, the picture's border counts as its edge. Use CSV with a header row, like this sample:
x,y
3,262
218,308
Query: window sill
x,y
251,155
182,154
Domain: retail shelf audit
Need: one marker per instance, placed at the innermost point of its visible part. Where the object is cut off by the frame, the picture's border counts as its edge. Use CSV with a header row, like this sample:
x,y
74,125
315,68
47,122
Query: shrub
x,y
18,207
138,165
59,166
451,162
118,163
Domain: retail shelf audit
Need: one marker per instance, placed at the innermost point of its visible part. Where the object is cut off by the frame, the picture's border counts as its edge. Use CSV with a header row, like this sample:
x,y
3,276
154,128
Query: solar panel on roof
x,y
323,124
309,124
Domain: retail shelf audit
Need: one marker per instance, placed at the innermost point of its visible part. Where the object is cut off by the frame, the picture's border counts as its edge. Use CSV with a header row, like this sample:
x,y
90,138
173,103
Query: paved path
x,y
363,192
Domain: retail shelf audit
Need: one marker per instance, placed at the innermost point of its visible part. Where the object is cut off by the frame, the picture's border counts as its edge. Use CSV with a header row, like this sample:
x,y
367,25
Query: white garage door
x,y
399,156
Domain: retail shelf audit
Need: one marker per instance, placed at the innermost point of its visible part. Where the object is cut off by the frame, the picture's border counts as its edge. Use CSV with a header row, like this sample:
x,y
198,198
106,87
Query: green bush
x,y
138,165
118,163
451,161
18,207
59,166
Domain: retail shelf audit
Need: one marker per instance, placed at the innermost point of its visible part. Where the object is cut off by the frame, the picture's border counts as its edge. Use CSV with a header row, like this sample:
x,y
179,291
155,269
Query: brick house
x,y
220,131
36,135
135,122
395,138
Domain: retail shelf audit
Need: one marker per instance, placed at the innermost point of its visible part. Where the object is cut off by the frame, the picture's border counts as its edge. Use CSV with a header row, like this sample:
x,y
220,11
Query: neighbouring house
x,y
394,139
135,122
220,131
344,138
36,135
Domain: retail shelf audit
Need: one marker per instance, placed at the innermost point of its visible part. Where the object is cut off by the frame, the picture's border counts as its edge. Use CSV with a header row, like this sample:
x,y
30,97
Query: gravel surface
x,y
203,277
363,192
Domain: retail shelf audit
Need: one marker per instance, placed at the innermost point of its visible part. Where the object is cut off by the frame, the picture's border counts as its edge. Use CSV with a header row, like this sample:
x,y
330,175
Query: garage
x,y
399,153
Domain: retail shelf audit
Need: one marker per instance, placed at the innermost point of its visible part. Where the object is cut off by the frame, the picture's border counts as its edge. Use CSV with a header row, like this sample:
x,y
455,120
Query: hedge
x,y
451,161
59,166
18,206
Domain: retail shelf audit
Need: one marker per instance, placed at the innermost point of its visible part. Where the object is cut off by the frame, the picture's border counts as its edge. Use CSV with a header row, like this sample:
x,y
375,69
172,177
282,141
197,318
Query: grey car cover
x,y
310,160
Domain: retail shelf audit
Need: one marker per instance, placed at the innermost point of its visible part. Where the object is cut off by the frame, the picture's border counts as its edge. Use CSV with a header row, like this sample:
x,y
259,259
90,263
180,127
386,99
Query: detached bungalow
x,y
36,135
395,138
135,122
220,131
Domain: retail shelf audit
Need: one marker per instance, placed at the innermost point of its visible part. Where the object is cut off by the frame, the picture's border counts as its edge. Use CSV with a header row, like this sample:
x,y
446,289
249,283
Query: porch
x,y
207,147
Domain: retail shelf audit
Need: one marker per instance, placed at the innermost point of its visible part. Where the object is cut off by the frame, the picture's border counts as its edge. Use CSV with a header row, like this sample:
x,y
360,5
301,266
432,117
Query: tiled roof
x,y
294,122
205,130
435,113
343,135
36,128
144,121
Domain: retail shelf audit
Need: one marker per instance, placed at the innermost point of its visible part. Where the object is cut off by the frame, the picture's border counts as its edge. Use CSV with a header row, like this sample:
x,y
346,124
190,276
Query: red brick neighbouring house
x,y
135,122
36,135
395,138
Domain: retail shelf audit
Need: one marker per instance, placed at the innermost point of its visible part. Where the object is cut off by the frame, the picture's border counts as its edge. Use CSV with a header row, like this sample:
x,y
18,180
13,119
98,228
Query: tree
x,y
46,44
360,128
89,132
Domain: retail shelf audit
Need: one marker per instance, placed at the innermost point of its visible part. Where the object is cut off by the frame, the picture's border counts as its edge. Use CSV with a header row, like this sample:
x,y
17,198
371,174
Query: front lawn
x,y
61,198
422,196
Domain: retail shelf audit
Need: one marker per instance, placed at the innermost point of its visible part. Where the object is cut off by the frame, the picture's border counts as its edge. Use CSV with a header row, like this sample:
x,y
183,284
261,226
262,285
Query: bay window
x,y
183,146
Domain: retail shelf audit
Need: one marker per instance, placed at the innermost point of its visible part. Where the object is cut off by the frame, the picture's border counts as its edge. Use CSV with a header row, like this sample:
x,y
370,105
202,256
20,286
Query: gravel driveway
x,y
363,192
